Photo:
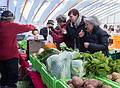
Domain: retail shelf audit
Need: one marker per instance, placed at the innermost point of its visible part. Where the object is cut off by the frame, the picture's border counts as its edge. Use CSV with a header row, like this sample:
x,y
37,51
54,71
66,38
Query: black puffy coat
x,y
98,41
44,32
72,37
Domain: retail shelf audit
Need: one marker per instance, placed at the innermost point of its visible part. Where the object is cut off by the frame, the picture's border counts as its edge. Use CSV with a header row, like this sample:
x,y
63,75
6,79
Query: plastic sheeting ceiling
x,y
39,11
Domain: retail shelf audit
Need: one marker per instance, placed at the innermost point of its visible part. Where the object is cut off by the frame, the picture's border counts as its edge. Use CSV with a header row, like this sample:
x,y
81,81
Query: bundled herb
x,y
97,64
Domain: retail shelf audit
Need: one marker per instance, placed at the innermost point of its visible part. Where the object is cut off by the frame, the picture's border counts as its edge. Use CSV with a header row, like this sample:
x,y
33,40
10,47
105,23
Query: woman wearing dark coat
x,y
94,39
73,26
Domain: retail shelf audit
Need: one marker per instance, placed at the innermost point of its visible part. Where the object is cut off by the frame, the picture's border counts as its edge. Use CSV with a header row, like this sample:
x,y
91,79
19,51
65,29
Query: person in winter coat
x,y
9,54
94,39
44,31
74,25
60,30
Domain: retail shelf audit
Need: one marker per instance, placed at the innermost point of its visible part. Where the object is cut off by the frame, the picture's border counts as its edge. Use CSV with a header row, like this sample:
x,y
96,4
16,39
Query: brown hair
x,y
74,12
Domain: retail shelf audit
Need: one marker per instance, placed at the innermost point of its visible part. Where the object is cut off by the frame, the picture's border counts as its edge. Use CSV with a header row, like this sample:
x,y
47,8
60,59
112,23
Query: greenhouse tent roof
x,y
39,11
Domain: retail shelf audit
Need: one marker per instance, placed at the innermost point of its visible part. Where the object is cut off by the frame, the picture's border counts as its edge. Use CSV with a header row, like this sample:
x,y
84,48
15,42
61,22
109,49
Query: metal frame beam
x,y
23,10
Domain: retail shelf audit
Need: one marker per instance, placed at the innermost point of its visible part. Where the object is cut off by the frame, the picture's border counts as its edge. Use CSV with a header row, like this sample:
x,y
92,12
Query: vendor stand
x,y
53,82
25,65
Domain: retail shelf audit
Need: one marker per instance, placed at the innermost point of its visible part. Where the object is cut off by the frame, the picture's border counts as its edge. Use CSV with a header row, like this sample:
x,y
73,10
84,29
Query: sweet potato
x,y
77,82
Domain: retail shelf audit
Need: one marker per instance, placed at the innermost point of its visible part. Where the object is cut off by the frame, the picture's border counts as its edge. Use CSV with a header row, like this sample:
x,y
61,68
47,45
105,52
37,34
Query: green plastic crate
x,y
38,65
47,78
52,82
109,82
23,44
61,84
49,81
32,60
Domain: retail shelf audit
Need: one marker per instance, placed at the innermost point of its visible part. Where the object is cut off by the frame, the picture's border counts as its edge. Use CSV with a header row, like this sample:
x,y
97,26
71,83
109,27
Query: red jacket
x,y
8,41
58,35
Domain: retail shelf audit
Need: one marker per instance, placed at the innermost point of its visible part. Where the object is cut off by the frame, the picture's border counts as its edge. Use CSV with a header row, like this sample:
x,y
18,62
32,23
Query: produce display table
x,y
51,81
36,79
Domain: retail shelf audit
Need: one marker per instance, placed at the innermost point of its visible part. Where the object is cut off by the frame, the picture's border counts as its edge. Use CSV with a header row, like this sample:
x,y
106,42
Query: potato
x,y
93,82
77,82
115,76
90,86
118,80
69,82
71,86
106,86
109,77
100,84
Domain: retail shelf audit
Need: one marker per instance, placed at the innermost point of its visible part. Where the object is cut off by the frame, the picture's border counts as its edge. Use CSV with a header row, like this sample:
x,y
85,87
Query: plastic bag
x,y
53,65
78,68
59,65
49,37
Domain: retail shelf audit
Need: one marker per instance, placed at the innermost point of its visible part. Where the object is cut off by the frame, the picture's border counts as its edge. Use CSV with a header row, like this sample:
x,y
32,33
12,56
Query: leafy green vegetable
x,y
23,44
115,65
47,53
64,47
97,64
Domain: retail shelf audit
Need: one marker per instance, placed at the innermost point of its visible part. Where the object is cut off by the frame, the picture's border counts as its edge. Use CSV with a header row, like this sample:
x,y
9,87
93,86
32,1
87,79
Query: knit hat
x,y
7,16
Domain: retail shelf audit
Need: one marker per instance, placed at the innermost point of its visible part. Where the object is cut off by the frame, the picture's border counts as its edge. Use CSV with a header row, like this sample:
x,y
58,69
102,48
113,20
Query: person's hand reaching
x,y
86,44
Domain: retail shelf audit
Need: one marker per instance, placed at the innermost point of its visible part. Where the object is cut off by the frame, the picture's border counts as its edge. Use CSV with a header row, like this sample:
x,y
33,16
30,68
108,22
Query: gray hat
x,y
93,19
